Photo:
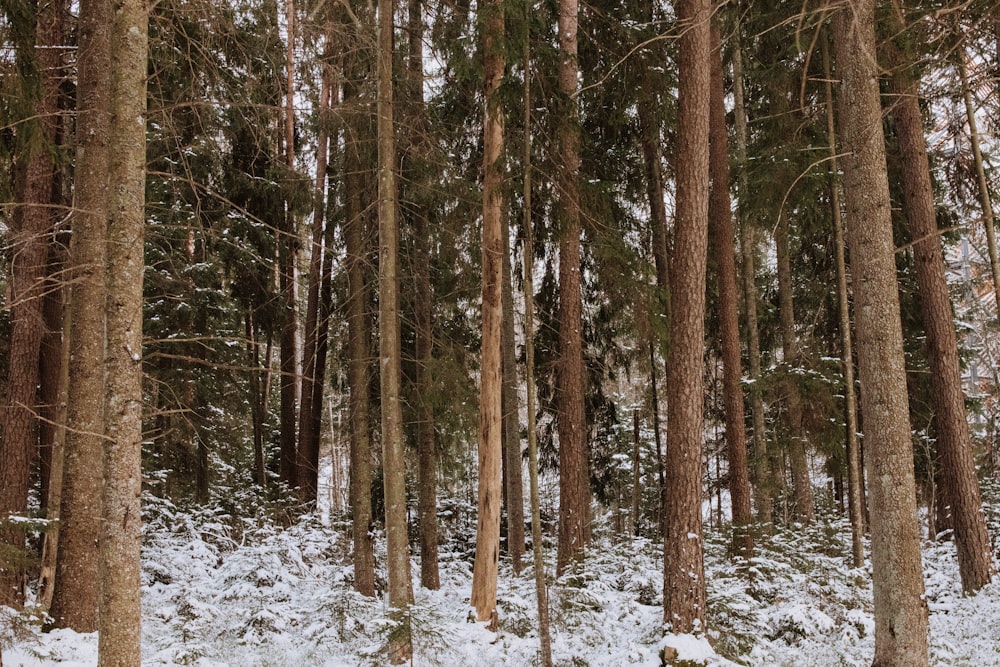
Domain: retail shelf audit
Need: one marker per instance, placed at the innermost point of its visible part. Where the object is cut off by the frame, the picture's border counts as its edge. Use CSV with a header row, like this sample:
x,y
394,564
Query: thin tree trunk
x,y
28,247
801,485
256,399
56,444
683,548
307,454
900,607
288,250
119,617
423,311
761,465
954,446
359,353
573,476
484,569
513,476
722,237
984,191
541,593
75,601
636,475
855,487
390,362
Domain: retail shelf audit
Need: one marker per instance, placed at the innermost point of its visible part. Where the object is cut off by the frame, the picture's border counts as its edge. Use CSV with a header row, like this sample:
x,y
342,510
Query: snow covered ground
x,y
222,592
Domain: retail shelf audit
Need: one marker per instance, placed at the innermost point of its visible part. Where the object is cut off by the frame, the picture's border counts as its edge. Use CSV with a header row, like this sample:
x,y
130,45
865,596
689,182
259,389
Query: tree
x,y
574,492
954,446
683,548
512,471
484,570
394,471
75,601
722,239
29,236
119,619
900,608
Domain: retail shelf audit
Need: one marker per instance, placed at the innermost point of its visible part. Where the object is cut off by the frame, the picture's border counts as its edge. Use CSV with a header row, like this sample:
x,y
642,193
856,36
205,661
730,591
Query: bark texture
x,y
723,237
898,587
954,446
683,550
484,570
574,490
75,601
119,622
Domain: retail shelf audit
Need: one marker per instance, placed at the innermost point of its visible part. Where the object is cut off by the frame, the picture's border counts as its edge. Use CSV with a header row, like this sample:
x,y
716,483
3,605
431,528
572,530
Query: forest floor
x,y
219,591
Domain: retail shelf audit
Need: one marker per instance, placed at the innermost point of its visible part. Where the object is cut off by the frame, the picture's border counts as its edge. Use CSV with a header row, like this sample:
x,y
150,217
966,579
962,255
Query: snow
x,y
220,591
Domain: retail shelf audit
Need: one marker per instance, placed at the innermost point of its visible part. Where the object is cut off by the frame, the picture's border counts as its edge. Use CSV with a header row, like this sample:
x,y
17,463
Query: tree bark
x,y
574,489
28,239
359,354
390,362
954,446
75,601
288,251
855,485
307,453
761,465
119,617
541,593
898,587
683,548
722,239
484,570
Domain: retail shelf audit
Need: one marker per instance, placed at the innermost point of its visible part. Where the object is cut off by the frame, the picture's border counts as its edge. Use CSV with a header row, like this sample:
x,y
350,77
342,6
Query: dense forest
x,y
509,313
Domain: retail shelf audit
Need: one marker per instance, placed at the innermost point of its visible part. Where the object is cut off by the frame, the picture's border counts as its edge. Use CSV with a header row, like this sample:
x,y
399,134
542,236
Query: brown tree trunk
x,y
307,454
574,489
898,587
119,617
359,353
484,570
390,362
801,485
683,548
256,398
855,485
28,238
418,147
722,238
761,464
288,251
541,593
954,446
75,601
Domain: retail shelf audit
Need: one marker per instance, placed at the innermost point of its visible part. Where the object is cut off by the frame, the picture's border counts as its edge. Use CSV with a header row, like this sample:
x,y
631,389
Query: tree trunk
x,y
513,476
359,354
288,251
119,622
574,489
484,570
683,548
761,464
954,446
541,593
855,485
307,454
28,247
423,308
984,191
801,485
723,237
898,587
390,362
